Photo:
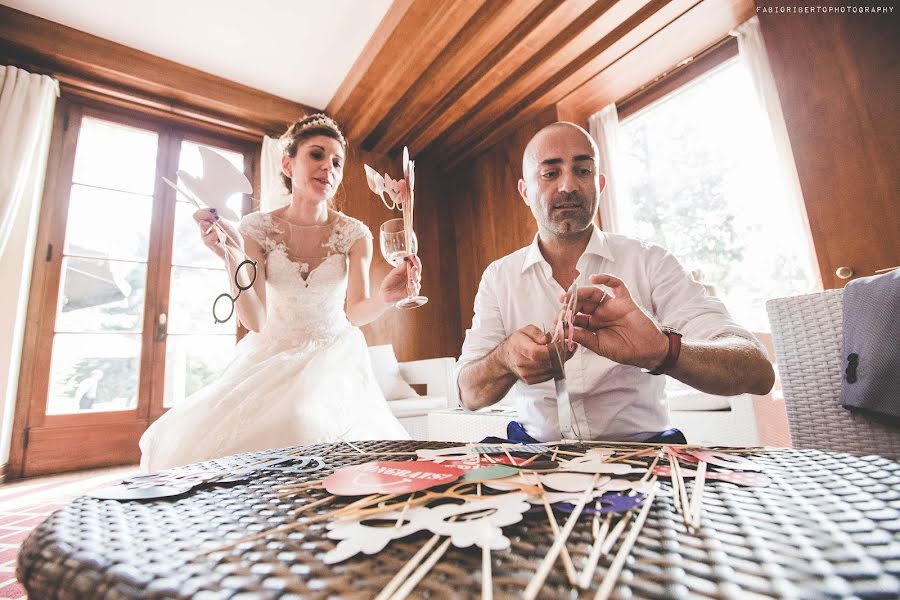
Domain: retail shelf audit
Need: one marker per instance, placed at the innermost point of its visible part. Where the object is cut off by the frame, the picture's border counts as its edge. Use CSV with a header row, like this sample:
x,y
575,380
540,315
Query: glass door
x,y
126,327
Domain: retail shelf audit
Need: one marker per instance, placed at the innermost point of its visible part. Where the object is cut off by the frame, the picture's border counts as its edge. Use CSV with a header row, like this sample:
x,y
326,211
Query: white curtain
x,y
272,193
752,50
26,117
615,210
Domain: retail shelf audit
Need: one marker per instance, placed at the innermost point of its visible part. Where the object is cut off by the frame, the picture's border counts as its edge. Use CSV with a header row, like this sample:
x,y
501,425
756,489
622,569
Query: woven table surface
x,y
828,525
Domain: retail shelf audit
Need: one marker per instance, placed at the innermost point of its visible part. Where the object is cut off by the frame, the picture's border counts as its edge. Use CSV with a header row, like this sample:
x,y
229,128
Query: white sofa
x,y
703,418
432,377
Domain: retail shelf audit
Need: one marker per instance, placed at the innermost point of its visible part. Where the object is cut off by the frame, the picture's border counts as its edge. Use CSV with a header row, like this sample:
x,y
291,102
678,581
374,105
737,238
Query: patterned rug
x,y
25,503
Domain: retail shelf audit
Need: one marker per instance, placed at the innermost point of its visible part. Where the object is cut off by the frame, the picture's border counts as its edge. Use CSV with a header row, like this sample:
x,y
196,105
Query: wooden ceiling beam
x,y
502,64
570,50
487,37
416,39
625,36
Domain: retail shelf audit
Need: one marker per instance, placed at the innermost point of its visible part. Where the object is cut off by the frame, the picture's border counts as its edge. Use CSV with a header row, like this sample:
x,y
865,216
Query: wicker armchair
x,y
808,334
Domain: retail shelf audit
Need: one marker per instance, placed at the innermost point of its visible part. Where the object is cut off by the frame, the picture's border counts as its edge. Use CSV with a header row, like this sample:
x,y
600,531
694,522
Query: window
x,y
700,179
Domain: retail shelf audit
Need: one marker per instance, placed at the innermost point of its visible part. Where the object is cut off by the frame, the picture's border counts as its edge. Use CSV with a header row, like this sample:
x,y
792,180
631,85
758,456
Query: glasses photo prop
x,y
220,181
398,240
223,306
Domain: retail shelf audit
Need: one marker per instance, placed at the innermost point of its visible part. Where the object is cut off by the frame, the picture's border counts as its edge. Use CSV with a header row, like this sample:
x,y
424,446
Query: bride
x,y
302,375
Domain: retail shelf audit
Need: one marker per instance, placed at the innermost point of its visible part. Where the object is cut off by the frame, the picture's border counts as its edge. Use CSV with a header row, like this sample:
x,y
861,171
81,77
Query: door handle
x,y
162,327
844,272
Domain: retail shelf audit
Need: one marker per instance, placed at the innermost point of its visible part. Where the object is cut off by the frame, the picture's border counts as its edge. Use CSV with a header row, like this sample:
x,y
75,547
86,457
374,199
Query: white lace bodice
x,y
304,304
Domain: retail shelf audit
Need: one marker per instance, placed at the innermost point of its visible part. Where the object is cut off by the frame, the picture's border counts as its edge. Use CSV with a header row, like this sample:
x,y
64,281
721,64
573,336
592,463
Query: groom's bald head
x,y
559,136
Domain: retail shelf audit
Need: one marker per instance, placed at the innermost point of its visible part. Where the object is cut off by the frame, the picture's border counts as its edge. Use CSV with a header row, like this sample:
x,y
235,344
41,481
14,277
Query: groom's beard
x,y
569,212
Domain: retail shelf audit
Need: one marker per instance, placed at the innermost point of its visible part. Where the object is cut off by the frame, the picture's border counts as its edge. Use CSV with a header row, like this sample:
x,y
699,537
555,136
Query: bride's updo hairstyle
x,y
305,128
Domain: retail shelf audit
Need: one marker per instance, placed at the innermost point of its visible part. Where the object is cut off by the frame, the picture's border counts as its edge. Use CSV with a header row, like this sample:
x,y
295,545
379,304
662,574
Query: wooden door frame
x,y
121,428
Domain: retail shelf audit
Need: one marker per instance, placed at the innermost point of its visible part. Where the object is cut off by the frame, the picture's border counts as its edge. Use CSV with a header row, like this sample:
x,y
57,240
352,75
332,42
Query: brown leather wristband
x,y
674,351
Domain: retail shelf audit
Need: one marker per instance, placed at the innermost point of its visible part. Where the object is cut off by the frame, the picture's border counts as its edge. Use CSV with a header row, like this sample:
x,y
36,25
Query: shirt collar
x,y
598,245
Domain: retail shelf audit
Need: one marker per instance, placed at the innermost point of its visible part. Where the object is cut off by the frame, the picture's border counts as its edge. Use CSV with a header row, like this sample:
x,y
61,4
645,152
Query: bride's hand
x,y
394,286
214,239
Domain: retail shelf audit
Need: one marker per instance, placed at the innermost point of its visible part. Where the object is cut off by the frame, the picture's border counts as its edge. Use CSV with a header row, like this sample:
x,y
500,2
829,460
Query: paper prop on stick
x,y
561,344
220,181
389,477
369,536
402,196
465,523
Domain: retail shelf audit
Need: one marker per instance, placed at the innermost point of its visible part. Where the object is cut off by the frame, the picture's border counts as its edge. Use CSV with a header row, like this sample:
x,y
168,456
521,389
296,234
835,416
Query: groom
x,y
650,317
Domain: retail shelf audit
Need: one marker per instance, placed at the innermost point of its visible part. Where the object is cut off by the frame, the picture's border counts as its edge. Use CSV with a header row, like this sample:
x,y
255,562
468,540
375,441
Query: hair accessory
x,y
317,120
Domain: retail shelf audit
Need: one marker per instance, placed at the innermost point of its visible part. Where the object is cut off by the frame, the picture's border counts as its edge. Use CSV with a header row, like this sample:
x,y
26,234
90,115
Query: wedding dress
x,y
304,378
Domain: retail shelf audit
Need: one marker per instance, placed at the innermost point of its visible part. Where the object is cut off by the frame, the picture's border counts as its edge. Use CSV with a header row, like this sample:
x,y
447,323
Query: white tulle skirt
x,y
273,396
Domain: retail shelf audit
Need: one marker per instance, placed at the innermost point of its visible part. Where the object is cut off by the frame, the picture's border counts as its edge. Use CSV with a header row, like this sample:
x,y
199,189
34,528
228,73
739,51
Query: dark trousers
x,y
516,433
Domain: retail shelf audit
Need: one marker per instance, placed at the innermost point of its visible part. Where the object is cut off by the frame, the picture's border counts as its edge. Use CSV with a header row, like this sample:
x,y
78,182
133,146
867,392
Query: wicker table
x,y
827,526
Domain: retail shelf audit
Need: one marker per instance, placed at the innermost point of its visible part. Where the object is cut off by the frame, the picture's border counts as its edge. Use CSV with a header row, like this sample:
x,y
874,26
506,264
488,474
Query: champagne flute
x,y
395,247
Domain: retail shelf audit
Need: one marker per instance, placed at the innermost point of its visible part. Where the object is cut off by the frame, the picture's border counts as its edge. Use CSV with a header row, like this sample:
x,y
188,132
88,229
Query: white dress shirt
x,y
609,401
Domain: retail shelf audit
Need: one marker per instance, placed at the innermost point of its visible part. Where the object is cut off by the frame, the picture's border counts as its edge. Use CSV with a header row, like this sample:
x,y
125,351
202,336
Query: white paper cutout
x,y
441,454
570,482
592,464
493,512
510,483
603,453
624,485
220,181
356,537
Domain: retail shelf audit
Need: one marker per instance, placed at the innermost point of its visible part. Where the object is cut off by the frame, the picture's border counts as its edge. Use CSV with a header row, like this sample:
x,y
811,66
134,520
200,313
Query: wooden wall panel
x,y
490,218
837,78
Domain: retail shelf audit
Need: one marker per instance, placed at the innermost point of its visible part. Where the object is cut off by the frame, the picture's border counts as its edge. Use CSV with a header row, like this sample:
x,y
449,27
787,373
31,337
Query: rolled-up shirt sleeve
x,y
679,301
487,329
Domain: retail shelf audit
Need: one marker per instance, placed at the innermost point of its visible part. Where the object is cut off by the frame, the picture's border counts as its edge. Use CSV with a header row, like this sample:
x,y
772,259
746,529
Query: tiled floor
x,y
25,504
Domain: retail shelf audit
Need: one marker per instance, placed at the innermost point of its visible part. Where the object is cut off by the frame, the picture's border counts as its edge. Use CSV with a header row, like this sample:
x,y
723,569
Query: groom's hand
x,y
526,355
614,326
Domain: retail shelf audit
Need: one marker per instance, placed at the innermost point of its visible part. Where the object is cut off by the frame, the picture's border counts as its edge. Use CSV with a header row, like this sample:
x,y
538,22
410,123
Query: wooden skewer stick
x,y
616,533
487,580
682,488
411,583
537,581
681,500
599,536
652,466
697,496
315,504
403,512
354,446
630,455
612,575
528,461
300,486
411,564
554,526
